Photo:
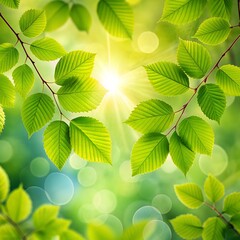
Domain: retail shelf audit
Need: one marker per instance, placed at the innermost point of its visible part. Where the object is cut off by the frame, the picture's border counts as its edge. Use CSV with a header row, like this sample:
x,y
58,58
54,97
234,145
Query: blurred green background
x,y
88,191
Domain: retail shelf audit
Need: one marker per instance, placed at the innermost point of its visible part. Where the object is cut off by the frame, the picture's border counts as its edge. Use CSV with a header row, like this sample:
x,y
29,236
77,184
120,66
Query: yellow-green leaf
x,y
221,8
70,235
4,185
2,119
135,231
99,232
10,3
235,220
190,194
57,143
19,205
33,22
213,229
8,232
7,92
231,204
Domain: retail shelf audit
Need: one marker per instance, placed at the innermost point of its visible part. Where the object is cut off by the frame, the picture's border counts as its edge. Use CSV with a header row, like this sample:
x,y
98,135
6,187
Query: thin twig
x,y
183,109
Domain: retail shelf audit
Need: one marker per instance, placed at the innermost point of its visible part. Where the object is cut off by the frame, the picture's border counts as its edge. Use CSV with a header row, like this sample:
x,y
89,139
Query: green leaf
x,y
213,31
190,194
90,139
74,64
2,220
57,143
8,232
197,135
213,228
151,116
81,17
167,78
4,185
33,22
81,94
135,231
212,101
99,232
187,226
221,8
10,3
235,220
181,155
19,205
38,109
117,17
193,58
70,235
47,49
23,77
2,119
228,78
7,92
56,227
213,188
182,11
44,215
8,57
149,153
231,204
57,13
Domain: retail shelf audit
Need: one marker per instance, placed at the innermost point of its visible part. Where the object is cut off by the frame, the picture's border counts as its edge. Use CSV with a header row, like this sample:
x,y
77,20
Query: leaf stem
x,y
205,79
33,63
220,215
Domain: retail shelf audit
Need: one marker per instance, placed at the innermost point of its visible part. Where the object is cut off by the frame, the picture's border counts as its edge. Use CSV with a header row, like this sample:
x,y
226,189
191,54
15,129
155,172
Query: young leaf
x,y
10,3
44,215
190,194
7,92
182,11
235,220
47,49
167,78
181,155
212,101
117,17
187,226
231,204
57,13
193,58
135,231
56,227
70,235
81,17
213,188
57,143
8,232
4,185
149,153
37,110
23,77
151,116
19,205
8,57
74,64
213,31
2,119
228,78
197,135
99,232
33,22
81,94
220,8
213,228
90,139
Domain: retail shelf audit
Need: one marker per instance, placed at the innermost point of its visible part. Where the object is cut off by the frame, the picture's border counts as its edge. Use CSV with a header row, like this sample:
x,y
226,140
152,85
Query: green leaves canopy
x,y
81,94
149,153
193,58
151,116
7,92
117,17
187,226
8,56
10,3
57,143
189,194
33,23
213,31
37,110
213,229
212,101
182,11
74,64
4,185
167,78
90,139
47,49
197,135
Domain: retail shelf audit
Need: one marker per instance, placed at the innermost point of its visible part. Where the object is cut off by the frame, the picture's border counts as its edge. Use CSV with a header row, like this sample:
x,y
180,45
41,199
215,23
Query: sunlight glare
x,y
111,81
